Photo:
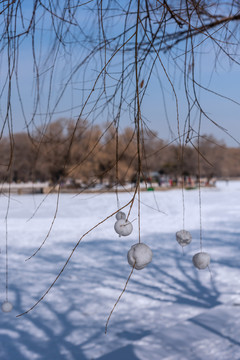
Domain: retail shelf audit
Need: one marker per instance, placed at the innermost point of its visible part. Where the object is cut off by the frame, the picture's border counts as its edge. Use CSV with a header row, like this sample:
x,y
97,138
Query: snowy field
x,y
169,311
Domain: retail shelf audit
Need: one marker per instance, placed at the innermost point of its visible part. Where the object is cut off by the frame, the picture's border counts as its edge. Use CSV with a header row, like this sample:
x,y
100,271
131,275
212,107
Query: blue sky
x,y
224,79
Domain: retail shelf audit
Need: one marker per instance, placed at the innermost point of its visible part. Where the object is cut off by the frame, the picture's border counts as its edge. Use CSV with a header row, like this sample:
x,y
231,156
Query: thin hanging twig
x,y
114,306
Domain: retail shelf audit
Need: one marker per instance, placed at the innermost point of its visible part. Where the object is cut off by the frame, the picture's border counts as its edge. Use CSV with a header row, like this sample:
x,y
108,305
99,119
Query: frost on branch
x,y
201,260
6,306
120,215
183,237
123,227
140,255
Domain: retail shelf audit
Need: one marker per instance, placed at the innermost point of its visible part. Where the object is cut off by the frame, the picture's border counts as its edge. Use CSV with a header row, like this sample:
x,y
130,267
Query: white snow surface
x,y
169,311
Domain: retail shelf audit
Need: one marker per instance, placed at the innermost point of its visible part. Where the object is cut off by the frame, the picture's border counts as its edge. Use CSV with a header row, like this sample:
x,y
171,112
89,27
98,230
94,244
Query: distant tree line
x,y
89,154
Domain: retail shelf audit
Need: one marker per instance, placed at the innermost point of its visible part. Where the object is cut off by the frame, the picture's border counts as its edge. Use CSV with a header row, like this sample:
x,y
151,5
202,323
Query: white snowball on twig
x,y
140,255
183,237
6,306
120,215
201,260
123,227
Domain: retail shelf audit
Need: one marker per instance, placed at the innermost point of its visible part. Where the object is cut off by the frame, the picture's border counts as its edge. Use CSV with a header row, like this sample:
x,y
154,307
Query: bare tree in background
x,y
105,53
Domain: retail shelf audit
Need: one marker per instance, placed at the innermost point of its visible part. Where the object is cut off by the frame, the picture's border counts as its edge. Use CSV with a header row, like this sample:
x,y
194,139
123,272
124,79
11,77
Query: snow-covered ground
x,y
170,310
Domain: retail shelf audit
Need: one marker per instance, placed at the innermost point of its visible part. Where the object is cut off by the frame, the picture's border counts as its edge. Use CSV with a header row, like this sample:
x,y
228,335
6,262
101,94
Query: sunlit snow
x,y
170,310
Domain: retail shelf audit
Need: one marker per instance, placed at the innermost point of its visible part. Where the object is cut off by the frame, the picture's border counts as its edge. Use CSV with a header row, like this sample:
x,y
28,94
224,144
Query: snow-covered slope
x,y
169,311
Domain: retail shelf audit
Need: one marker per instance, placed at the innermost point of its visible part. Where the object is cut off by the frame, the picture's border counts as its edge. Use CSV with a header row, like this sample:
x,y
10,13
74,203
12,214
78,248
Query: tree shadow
x,y
215,332
34,337
170,278
126,353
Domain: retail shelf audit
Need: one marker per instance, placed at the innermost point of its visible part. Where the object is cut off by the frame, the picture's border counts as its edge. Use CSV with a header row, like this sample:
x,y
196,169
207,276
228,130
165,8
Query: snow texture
x,y
201,260
169,311
183,237
140,255
123,227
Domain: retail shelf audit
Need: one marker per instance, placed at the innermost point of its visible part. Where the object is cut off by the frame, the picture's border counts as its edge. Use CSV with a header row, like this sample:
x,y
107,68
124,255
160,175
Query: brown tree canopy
x,y
110,156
